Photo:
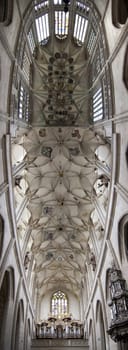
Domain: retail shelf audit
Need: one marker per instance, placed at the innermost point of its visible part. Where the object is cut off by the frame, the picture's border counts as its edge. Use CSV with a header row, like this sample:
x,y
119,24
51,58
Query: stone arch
x,y
100,329
91,335
6,11
19,331
107,293
107,289
7,291
28,335
119,12
123,238
1,234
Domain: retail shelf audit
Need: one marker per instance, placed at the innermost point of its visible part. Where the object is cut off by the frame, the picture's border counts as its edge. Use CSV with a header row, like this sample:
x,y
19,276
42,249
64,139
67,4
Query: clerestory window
x,y
58,2
80,29
97,105
61,24
41,5
42,26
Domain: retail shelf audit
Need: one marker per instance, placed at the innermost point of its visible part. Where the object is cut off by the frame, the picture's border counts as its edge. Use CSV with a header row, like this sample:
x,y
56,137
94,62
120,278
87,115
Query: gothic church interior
x,y
63,174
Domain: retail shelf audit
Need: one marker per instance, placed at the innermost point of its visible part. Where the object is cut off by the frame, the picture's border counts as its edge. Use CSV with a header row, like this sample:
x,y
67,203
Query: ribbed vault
x,y
60,147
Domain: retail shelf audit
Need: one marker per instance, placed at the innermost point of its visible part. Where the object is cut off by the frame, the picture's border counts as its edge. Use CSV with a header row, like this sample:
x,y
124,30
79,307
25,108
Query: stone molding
x,y
59,343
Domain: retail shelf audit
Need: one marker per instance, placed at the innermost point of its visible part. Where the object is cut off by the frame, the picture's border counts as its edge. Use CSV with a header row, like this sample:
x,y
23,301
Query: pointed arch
x,y
1,234
119,12
125,70
7,293
123,238
100,328
107,289
28,335
91,335
59,304
19,332
6,11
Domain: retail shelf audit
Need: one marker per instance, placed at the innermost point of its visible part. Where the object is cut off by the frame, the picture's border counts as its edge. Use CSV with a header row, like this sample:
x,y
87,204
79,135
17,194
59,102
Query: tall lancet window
x,y
61,24
59,304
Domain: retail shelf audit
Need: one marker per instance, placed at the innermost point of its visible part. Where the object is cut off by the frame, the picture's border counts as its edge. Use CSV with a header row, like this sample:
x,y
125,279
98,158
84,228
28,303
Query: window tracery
x,y
42,26
61,24
59,304
80,29
40,5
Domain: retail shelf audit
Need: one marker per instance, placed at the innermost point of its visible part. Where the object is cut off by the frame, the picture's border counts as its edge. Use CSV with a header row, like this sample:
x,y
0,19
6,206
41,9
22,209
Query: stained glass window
x,y
59,304
61,24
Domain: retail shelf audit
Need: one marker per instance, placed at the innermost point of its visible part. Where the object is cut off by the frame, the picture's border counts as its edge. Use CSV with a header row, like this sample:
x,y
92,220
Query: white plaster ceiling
x,y
61,163
60,202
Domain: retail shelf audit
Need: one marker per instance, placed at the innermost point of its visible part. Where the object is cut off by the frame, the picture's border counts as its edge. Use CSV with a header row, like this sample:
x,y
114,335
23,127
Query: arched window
x,y
119,12
123,237
1,234
6,308
28,336
6,10
126,239
19,331
42,22
59,304
125,71
91,336
100,327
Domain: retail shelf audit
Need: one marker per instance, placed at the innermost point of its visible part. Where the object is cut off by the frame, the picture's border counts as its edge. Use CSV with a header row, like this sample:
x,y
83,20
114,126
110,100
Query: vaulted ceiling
x,y
60,151
60,174
60,85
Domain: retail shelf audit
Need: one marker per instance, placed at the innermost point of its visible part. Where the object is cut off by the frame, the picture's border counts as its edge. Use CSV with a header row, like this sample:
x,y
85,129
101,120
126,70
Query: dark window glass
x,y
119,12
126,238
6,10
